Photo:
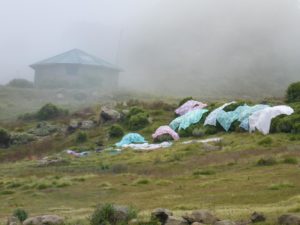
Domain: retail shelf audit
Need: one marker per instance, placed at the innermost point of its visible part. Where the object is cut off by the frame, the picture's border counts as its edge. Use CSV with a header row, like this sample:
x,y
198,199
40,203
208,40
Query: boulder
x,y
161,214
109,115
87,124
44,220
225,222
12,220
257,217
121,212
201,216
172,220
197,223
289,219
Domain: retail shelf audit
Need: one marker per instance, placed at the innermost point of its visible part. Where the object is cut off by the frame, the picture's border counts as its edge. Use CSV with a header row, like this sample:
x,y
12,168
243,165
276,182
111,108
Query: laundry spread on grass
x,y
131,138
188,119
165,130
148,147
261,120
189,106
209,140
77,154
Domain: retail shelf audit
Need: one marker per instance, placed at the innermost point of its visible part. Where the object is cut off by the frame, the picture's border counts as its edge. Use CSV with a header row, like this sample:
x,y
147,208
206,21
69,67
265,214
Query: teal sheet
x,y
187,119
131,138
244,116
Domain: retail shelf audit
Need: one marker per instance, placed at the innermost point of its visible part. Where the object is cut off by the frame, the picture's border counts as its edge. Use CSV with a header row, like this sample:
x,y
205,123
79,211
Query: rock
x,y
289,219
161,214
74,124
197,223
121,212
87,124
172,220
201,216
225,222
109,115
257,217
44,220
12,220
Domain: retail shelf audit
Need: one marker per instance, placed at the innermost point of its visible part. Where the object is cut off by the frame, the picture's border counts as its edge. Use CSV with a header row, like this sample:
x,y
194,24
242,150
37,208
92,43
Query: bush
x,y
138,121
290,160
163,138
286,124
81,137
233,106
116,131
108,214
21,214
5,138
134,111
293,92
266,162
182,101
198,132
20,83
50,111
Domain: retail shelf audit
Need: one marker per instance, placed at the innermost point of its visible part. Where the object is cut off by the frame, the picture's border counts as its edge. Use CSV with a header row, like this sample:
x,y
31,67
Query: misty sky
x,y
174,46
32,30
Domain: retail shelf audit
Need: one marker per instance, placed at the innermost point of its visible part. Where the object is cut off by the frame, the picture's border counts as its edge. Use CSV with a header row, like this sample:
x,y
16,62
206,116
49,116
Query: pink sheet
x,y
189,106
165,130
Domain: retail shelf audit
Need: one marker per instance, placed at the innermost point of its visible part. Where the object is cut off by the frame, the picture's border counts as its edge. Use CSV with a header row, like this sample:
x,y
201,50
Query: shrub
x,y
20,83
134,111
204,172
198,132
286,124
290,160
21,214
293,92
5,138
182,101
210,130
50,111
116,131
138,121
81,137
108,214
266,162
163,138
233,106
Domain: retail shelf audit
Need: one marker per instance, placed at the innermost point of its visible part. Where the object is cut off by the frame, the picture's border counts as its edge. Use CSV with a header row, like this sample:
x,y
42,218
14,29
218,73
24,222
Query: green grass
x,y
251,172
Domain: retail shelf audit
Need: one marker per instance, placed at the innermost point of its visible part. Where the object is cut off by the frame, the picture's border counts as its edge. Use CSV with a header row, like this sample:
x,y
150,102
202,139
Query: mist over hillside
x,y
172,47
218,47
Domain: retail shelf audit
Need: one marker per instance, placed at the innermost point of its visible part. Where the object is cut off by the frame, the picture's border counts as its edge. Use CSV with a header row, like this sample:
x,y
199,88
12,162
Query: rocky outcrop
x,y
289,219
201,216
44,220
109,115
172,220
257,217
225,222
161,214
12,220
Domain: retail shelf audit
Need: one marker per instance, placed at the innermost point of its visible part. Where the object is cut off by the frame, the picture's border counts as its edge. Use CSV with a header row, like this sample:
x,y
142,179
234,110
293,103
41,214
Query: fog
x,y
173,47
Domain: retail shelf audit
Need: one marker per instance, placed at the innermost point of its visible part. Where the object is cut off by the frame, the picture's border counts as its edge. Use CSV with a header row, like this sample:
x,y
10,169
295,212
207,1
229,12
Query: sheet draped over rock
x,y
188,119
261,120
131,138
148,147
189,106
165,130
211,119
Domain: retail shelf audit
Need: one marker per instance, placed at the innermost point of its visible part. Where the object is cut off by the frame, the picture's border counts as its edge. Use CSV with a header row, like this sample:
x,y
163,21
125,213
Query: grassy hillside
x,y
241,174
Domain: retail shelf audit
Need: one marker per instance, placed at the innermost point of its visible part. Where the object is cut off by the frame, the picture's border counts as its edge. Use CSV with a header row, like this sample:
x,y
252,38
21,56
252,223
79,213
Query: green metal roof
x,y
76,56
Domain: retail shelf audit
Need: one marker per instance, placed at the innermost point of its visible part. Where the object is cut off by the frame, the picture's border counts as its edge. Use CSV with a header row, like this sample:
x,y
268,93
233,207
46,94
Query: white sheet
x,y
261,120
